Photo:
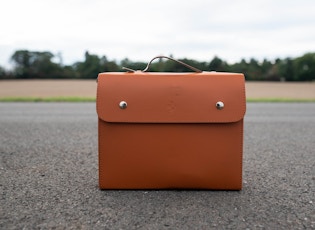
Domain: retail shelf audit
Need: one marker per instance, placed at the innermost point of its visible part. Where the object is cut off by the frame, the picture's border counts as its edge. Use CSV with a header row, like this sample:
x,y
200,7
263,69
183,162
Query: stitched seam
x,y
242,134
241,154
100,167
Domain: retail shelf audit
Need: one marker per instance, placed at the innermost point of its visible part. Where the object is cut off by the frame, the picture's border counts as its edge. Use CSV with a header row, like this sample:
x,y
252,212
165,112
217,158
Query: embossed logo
x,y
174,93
171,106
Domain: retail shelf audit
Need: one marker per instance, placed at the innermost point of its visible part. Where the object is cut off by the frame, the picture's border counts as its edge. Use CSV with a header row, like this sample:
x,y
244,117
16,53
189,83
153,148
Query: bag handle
x,y
172,59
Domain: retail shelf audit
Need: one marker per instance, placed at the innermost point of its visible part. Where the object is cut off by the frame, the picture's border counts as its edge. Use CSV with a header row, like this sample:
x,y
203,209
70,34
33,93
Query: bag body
x,y
170,130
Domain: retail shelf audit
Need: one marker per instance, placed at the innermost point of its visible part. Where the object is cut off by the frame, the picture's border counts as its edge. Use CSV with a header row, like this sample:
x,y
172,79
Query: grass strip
x,y
93,99
280,100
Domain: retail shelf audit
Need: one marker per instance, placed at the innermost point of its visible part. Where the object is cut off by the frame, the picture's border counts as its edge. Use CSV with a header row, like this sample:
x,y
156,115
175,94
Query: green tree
x,y
22,61
109,66
90,68
241,67
29,64
132,65
286,69
194,63
2,73
69,71
265,67
217,64
254,70
172,66
33,64
304,68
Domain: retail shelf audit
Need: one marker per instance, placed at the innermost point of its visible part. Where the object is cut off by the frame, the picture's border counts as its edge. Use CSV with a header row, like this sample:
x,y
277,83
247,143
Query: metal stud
x,y
122,104
219,105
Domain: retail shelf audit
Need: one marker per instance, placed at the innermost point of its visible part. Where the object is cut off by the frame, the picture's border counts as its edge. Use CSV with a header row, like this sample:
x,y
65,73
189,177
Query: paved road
x,y
48,175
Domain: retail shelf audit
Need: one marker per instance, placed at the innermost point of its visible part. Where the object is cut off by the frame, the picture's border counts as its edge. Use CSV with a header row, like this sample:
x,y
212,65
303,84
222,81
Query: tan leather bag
x,y
170,130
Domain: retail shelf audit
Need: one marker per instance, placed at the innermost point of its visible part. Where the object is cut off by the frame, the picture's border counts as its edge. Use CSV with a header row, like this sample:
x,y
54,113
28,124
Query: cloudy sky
x,y
141,29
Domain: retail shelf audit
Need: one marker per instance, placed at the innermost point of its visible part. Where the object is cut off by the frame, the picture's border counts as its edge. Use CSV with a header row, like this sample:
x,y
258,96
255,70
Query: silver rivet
x,y
219,105
123,104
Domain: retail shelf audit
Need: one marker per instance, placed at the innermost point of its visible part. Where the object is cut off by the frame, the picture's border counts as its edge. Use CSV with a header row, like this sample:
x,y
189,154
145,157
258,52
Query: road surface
x,y
49,175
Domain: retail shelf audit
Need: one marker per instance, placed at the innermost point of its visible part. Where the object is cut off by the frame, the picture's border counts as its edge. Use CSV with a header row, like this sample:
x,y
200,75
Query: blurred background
x,y
76,39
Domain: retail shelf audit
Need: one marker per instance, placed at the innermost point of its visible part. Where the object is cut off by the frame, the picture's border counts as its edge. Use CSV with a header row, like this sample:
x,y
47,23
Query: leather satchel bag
x,y
170,130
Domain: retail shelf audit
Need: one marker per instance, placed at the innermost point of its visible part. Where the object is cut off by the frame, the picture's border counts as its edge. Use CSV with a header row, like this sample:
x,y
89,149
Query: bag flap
x,y
171,97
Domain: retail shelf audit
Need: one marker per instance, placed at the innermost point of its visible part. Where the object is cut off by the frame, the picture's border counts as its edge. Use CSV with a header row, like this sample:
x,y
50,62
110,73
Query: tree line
x,y
45,65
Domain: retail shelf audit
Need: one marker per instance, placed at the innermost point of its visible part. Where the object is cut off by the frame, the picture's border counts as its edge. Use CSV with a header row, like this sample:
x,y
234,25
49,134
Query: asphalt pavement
x,y
49,175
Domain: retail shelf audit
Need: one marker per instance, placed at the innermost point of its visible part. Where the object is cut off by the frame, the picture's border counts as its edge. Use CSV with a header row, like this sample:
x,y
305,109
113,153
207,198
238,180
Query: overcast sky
x,y
141,29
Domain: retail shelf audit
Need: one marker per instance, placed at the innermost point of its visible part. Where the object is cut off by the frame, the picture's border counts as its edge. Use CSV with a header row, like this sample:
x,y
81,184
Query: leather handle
x,y
172,59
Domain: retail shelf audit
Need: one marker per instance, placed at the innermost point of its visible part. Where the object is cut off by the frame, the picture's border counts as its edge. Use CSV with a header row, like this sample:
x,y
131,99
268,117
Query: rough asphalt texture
x,y
49,175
